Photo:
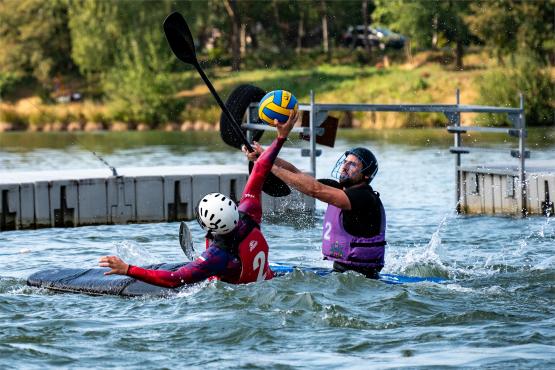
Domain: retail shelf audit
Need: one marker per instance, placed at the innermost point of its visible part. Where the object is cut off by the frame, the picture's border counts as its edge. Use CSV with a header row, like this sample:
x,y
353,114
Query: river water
x,y
497,309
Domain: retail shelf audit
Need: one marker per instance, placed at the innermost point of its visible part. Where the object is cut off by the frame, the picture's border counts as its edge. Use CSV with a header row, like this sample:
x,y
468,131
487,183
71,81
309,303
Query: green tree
x,y
415,19
536,32
101,30
296,25
34,39
137,92
494,23
509,26
123,43
429,23
529,77
95,30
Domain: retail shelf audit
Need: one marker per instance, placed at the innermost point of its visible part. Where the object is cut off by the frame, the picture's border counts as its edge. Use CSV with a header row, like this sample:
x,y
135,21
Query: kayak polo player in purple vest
x,y
353,234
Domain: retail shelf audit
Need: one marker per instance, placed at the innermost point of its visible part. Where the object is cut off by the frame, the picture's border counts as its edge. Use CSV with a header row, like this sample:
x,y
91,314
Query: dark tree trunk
x,y
366,41
243,47
435,32
300,33
500,59
282,27
253,29
325,34
459,54
231,8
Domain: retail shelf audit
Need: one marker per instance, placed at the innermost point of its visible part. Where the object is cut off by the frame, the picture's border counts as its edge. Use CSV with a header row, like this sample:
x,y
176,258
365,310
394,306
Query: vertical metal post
x,y
458,155
312,135
522,152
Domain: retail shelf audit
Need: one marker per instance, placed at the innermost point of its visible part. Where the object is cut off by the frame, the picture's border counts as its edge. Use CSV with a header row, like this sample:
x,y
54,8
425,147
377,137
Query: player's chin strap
x,y
186,241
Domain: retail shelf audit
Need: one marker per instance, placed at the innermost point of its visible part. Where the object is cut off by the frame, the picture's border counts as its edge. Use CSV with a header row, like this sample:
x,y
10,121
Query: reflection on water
x,y
104,142
108,142
23,151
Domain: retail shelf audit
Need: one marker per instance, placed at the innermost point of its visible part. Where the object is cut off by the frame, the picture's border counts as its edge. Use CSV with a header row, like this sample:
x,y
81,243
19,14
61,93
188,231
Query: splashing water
x,y
421,261
134,254
546,264
545,226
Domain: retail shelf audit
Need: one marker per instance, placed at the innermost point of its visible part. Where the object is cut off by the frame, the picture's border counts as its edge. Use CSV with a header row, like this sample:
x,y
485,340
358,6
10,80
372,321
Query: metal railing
x,y
515,116
319,112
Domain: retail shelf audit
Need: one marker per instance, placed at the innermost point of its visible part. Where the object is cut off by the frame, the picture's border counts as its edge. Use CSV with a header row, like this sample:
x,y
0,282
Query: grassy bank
x,y
420,81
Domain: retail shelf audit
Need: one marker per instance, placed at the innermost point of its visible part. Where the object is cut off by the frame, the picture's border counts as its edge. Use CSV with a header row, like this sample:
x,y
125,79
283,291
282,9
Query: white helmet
x,y
217,213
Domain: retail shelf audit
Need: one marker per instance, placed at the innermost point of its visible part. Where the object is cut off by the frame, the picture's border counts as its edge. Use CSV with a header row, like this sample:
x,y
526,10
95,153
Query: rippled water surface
x,y
497,309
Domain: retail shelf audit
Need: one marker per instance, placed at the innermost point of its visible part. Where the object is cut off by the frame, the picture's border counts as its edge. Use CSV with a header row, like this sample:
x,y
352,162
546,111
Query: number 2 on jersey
x,y
258,263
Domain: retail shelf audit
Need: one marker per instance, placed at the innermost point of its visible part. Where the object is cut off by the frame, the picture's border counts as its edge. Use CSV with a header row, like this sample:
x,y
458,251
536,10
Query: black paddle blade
x,y
186,241
181,42
180,38
238,105
273,186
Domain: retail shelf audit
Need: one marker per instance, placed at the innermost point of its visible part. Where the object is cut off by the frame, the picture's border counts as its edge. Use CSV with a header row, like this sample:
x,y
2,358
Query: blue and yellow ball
x,y
276,105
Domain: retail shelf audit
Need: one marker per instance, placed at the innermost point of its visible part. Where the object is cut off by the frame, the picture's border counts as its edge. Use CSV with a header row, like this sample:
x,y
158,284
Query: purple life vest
x,y
338,245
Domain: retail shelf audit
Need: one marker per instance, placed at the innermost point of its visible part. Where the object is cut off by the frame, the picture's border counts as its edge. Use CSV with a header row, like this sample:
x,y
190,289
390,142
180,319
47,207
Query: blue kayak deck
x,y
282,269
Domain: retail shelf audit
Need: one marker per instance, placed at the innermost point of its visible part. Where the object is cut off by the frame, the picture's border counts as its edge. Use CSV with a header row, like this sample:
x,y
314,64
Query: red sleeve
x,y
164,278
251,199
212,262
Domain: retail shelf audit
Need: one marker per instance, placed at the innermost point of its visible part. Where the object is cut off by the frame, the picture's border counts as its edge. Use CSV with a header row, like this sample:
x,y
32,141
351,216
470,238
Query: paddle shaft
x,y
235,125
182,45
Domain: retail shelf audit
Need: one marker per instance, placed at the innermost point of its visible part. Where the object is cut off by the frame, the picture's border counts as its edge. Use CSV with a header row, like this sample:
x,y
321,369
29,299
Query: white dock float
x,y
495,189
138,195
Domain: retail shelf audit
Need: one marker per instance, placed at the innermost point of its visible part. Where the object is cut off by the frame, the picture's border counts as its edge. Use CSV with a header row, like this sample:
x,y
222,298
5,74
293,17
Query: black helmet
x,y
369,161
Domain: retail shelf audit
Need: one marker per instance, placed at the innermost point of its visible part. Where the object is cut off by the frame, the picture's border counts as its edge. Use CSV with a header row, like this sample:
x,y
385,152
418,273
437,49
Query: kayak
x,y
94,282
281,269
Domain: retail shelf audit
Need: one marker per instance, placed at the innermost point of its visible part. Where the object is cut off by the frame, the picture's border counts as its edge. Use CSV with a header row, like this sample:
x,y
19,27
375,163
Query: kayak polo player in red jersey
x,y
237,252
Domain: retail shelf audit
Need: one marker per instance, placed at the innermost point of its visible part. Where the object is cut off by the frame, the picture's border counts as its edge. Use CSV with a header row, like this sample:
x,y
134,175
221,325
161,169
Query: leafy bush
x,y
64,117
420,84
41,117
502,88
139,90
267,59
193,114
96,116
7,83
12,116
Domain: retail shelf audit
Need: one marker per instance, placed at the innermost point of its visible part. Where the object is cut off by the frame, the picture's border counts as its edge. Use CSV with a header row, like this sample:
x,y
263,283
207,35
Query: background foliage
x,y
115,52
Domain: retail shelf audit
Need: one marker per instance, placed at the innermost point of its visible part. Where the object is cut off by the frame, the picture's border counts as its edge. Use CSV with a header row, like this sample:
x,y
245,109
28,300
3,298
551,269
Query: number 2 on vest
x,y
258,263
327,230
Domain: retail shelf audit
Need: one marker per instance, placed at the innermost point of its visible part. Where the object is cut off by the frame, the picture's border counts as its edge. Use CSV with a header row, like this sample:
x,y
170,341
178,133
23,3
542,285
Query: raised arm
x,y
258,150
250,200
308,185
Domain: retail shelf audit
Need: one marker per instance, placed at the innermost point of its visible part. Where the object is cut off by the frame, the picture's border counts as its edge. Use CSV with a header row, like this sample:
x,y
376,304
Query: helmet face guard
x,y
217,214
368,160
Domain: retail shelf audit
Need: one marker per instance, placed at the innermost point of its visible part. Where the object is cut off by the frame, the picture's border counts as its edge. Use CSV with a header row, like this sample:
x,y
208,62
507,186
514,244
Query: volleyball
x,y
276,105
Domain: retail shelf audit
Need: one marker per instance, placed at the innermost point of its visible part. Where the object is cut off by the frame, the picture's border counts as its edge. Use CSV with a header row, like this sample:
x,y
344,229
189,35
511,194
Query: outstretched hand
x,y
116,264
284,129
253,156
